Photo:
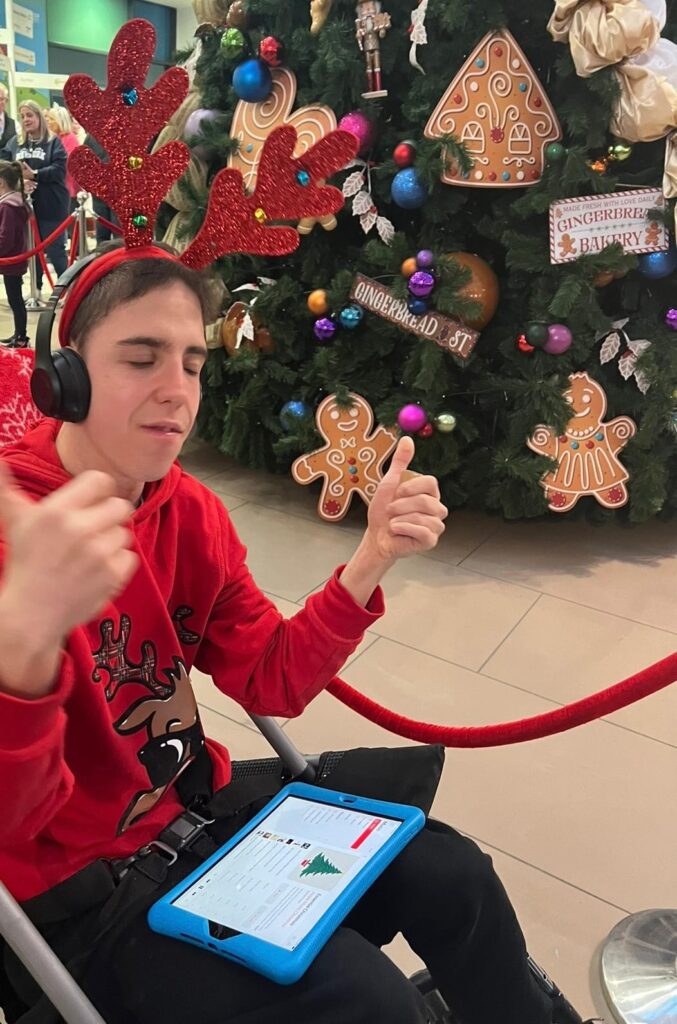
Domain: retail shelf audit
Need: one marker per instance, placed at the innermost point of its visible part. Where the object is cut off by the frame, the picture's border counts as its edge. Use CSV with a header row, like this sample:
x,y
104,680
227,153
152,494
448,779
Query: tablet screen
x,y
279,880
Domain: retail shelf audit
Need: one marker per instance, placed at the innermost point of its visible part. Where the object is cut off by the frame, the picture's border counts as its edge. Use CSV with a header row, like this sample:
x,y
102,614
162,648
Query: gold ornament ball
x,y
317,302
674,393
482,287
445,422
237,16
409,267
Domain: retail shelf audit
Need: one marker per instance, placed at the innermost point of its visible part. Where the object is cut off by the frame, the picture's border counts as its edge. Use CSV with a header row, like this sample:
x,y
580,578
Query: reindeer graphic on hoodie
x,y
169,713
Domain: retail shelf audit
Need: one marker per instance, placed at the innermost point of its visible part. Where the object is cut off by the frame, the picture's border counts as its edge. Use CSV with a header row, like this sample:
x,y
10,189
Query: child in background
x,y
13,221
13,241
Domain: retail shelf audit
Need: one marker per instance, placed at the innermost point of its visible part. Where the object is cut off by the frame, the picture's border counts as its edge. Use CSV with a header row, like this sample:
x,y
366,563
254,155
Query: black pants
x,y
56,252
16,302
103,234
441,893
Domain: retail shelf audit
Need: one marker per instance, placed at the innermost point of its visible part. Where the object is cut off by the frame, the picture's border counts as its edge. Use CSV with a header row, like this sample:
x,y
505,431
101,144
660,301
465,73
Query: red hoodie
x,y
88,771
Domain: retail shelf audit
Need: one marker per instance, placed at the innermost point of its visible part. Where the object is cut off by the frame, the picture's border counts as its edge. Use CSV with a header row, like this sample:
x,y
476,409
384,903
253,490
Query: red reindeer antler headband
x,y
125,117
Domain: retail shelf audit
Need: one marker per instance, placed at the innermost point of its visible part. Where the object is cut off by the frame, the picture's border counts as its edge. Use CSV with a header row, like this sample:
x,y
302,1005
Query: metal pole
x,y
81,215
284,748
33,301
50,974
639,968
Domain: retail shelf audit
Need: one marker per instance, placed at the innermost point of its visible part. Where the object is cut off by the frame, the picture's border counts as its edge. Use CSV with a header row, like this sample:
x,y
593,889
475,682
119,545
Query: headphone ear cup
x,y
63,389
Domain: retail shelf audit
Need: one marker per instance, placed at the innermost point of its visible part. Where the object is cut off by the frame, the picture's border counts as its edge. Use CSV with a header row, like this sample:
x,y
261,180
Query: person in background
x,y
43,159
60,124
13,221
7,123
103,234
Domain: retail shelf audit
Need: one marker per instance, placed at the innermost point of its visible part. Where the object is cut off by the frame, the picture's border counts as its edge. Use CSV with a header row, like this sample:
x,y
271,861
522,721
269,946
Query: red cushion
x,y
18,414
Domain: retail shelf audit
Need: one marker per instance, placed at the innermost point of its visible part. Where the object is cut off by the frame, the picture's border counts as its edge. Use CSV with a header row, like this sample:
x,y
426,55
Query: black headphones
x,y
60,383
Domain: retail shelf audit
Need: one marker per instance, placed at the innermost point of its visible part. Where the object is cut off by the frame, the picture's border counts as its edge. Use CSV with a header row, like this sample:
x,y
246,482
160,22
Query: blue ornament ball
x,y
252,81
417,306
407,189
291,413
350,316
655,265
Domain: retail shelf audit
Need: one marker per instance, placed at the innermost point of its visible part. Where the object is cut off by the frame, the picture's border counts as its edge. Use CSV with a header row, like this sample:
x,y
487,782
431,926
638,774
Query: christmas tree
x,y
319,865
430,166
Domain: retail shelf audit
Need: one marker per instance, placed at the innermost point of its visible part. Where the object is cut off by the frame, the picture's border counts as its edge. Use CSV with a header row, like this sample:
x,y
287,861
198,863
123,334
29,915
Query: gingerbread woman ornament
x,y
587,453
351,461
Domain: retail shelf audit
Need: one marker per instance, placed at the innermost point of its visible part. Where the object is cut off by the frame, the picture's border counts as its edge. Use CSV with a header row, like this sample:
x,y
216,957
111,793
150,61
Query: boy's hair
x,y
37,109
11,173
131,280
62,118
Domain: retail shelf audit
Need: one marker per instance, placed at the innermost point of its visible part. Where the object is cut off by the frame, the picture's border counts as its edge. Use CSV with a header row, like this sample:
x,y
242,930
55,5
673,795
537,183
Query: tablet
x,y
272,896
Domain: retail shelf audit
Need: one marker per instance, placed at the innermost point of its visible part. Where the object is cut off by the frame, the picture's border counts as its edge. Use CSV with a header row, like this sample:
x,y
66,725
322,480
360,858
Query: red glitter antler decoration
x,y
125,117
286,189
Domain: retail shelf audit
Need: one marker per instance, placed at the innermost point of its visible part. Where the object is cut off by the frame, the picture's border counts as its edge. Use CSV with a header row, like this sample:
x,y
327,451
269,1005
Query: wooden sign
x,y
587,224
451,335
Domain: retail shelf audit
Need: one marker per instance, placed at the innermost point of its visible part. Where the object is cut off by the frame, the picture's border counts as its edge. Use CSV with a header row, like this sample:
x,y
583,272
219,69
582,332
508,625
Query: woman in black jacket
x,y
43,159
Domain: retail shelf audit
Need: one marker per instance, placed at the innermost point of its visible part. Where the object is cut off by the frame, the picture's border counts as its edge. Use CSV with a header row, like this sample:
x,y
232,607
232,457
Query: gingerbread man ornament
x,y
351,461
587,453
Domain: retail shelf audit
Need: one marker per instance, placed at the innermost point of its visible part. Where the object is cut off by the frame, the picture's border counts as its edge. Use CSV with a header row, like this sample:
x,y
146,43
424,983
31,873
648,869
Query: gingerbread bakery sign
x,y
451,335
587,224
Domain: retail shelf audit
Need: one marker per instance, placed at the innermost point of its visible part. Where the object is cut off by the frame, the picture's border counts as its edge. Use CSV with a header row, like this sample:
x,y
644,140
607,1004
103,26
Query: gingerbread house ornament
x,y
498,110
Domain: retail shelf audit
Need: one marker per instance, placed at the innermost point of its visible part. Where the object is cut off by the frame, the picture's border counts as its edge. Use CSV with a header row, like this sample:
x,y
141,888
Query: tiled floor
x,y
501,622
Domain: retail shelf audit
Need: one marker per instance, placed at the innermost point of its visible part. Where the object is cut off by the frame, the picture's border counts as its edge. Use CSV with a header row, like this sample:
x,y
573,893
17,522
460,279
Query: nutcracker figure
x,y
371,25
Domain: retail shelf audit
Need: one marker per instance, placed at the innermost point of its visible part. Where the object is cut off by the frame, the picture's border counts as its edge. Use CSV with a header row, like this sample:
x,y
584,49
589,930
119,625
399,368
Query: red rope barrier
x,y
41,254
597,705
7,261
109,224
75,238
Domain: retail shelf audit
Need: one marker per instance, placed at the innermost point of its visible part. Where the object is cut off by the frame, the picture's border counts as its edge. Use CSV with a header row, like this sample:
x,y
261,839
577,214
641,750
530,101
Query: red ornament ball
x,y
524,346
404,154
427,431
270,50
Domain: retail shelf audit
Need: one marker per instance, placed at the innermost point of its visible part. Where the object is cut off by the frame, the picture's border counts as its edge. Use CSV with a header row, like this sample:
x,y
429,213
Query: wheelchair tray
x,y
272,896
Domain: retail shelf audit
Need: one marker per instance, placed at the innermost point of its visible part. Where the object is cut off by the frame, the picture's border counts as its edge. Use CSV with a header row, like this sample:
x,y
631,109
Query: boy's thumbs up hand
x,y
406,515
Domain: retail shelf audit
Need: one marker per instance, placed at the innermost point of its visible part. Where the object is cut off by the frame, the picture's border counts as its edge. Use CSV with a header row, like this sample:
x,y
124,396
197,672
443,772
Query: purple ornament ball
x,y
412,418
325,328
360,126
671,319
193,122
421,284
425,259
559,340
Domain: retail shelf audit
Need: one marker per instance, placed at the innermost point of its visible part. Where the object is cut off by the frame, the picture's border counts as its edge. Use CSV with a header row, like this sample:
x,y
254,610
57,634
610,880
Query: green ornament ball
x,y
555,152
536,334
232,42
445,422
620,151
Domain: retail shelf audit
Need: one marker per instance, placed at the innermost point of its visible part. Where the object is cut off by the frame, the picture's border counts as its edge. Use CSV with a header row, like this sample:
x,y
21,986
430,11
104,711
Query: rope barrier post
x,y
81,216
33,301
638,967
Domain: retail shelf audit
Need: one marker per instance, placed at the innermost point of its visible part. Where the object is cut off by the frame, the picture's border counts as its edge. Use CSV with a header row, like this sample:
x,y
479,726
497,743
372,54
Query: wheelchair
x,y
75,1008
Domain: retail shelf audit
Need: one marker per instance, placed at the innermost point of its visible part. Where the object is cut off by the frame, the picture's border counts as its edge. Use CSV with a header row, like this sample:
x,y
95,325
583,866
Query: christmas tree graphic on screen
x,y
319,865
322,869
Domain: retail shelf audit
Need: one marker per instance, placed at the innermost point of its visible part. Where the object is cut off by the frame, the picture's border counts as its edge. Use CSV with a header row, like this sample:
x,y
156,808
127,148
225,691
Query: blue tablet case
x,y
278,963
